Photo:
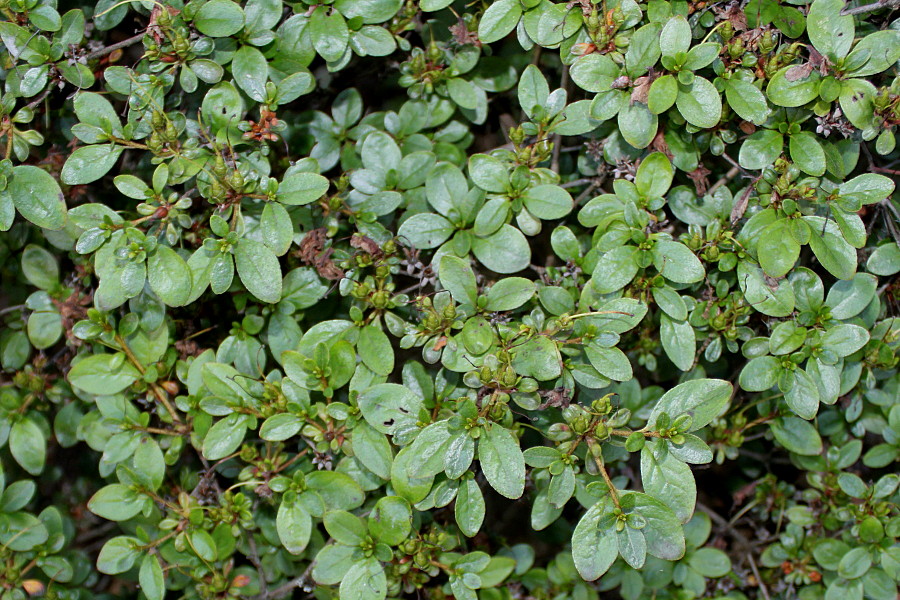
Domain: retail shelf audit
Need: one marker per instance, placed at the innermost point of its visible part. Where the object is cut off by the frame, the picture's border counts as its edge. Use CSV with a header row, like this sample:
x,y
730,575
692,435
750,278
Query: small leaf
x,y
502,461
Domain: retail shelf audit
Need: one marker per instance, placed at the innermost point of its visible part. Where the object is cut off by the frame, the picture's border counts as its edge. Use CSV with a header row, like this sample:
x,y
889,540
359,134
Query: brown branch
x,y
742,540
858,10
117,46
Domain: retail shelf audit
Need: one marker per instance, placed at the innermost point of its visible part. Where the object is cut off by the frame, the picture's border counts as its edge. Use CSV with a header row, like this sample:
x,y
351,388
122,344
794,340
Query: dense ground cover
x,y
497,300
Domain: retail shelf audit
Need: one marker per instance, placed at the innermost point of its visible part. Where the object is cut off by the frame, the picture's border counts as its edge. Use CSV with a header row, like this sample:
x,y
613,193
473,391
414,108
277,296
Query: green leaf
x,y
789,88
662,94
855,563
151,578
425,230
532,90
462,92
668,479
807,153
370,11
609,362
219,18
390,407
700,103
103,374
803,397
345,527
643,50
881,49
702,399
830,31
654,175
777,302
594,547
710,562
93,109
594,72
337,490
457,277
637,125
760,374
761,149
678,340
676,262
446,188
169,276
829,246
675,36
670,302
885,260
28,445
224,436
663,532
251,71
539,358
375,349
614,270
548,201
276,228
258,269
777,249
867,188
365,580
302,188
632,547
469,508
509,294
372,449
502,461
39,267
149,463
332,563
506,251
391,520
845,339
413,487
857,100
747,101
37,197
797,435
430,448
280,427
499,20
119,554
89,163
116,502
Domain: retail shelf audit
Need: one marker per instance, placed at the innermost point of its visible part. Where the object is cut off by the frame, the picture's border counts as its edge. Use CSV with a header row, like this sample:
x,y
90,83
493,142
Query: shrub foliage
x,y
427,298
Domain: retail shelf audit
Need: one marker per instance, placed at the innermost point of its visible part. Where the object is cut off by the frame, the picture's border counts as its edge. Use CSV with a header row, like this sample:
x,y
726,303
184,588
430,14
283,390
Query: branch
x,y
284,590
117,46
742,540
858,10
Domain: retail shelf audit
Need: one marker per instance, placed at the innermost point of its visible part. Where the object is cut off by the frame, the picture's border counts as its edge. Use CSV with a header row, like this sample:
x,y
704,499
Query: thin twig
x,y
557,139
742,540
613,493
254,560
10,309
858,10
283,590
33,104
595,185
117,46
728,177
577,182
